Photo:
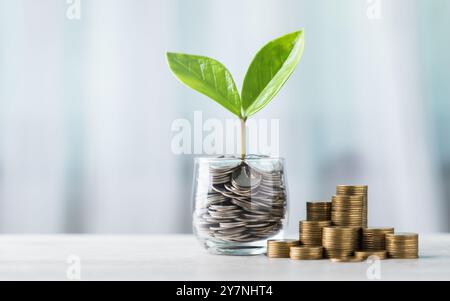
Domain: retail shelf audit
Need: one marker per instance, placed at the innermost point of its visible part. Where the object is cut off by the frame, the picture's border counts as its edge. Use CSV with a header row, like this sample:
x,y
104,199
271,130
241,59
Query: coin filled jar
x,y
239,204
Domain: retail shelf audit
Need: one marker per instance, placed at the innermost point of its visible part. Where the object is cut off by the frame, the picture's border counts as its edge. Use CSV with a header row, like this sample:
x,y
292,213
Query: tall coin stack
x,y
347,210
311,232
340,242
361,190
402,245
374,239
318,211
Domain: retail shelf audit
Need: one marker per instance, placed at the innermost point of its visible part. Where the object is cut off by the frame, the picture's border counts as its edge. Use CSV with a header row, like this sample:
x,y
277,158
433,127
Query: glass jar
x,y
239,204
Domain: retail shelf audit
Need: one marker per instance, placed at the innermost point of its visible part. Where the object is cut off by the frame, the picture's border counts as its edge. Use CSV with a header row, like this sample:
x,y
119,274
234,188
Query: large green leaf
x,y
207,76
269,70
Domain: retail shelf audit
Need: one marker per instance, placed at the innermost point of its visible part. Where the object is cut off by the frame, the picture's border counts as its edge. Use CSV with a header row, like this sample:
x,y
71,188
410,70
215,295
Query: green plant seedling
x,y
268,72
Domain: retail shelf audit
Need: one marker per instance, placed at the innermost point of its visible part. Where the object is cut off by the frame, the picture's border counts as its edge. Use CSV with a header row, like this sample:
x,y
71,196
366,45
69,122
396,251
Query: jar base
x,y
237,249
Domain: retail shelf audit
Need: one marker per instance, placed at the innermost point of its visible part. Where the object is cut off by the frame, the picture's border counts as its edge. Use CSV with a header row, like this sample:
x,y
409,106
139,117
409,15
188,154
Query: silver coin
x,y
222,207
240,203
231,231
224,214
245,178
258,225
216,220
223,191
232,225
239,192
257,216
217,181
222,171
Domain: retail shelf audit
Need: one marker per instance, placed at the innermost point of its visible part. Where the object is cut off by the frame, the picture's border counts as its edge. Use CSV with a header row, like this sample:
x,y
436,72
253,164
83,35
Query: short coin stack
x,y
340,242
402,245
311,232
318,211
347,210
280,248
374,239
306,253
361,190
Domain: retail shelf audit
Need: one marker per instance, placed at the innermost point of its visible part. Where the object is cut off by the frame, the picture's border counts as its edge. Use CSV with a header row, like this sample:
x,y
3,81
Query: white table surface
x,y
180,257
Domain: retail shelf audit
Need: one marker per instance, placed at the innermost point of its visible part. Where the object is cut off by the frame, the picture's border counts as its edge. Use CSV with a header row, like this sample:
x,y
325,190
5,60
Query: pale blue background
x,y
87,105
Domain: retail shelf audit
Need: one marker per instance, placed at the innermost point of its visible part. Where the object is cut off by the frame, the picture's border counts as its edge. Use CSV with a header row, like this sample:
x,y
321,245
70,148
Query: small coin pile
x,y
280,248
318,211
306,253
374,239
402,245
239,202
360,190
311,232
347,210
340,242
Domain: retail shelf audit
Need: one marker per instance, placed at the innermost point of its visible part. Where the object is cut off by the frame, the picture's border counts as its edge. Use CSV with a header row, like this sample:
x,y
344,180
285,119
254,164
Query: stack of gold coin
x,y
280,248
356,190
306,253
311,232
347,259
340,242
381,254
347,210
402,245
375,238
318,211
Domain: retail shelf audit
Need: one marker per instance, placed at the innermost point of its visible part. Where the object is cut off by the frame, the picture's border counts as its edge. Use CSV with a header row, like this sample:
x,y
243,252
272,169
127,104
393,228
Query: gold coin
x,y
356,190
318,211
346,259
378,230
280,248
348,210
352,188
340,241
310,233
402,245
381,254
326,204
403,256
403,236
283,241
306,253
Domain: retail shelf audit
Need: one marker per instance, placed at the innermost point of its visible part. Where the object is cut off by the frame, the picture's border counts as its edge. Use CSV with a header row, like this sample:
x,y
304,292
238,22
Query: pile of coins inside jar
x,y
240,202
338,230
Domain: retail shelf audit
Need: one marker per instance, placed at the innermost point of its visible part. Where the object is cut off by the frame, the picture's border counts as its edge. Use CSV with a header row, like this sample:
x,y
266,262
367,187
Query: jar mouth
x,y
248,158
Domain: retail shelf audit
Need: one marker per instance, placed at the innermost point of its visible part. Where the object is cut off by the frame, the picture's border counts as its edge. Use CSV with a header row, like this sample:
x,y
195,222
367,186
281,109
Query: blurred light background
x,y
87,107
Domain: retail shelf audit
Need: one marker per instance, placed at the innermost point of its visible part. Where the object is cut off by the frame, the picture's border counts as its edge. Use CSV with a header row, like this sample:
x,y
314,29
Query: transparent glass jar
x,y
239,204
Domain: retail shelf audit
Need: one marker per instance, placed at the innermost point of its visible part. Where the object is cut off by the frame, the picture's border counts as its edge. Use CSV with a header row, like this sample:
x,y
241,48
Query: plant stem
x,y
243,138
